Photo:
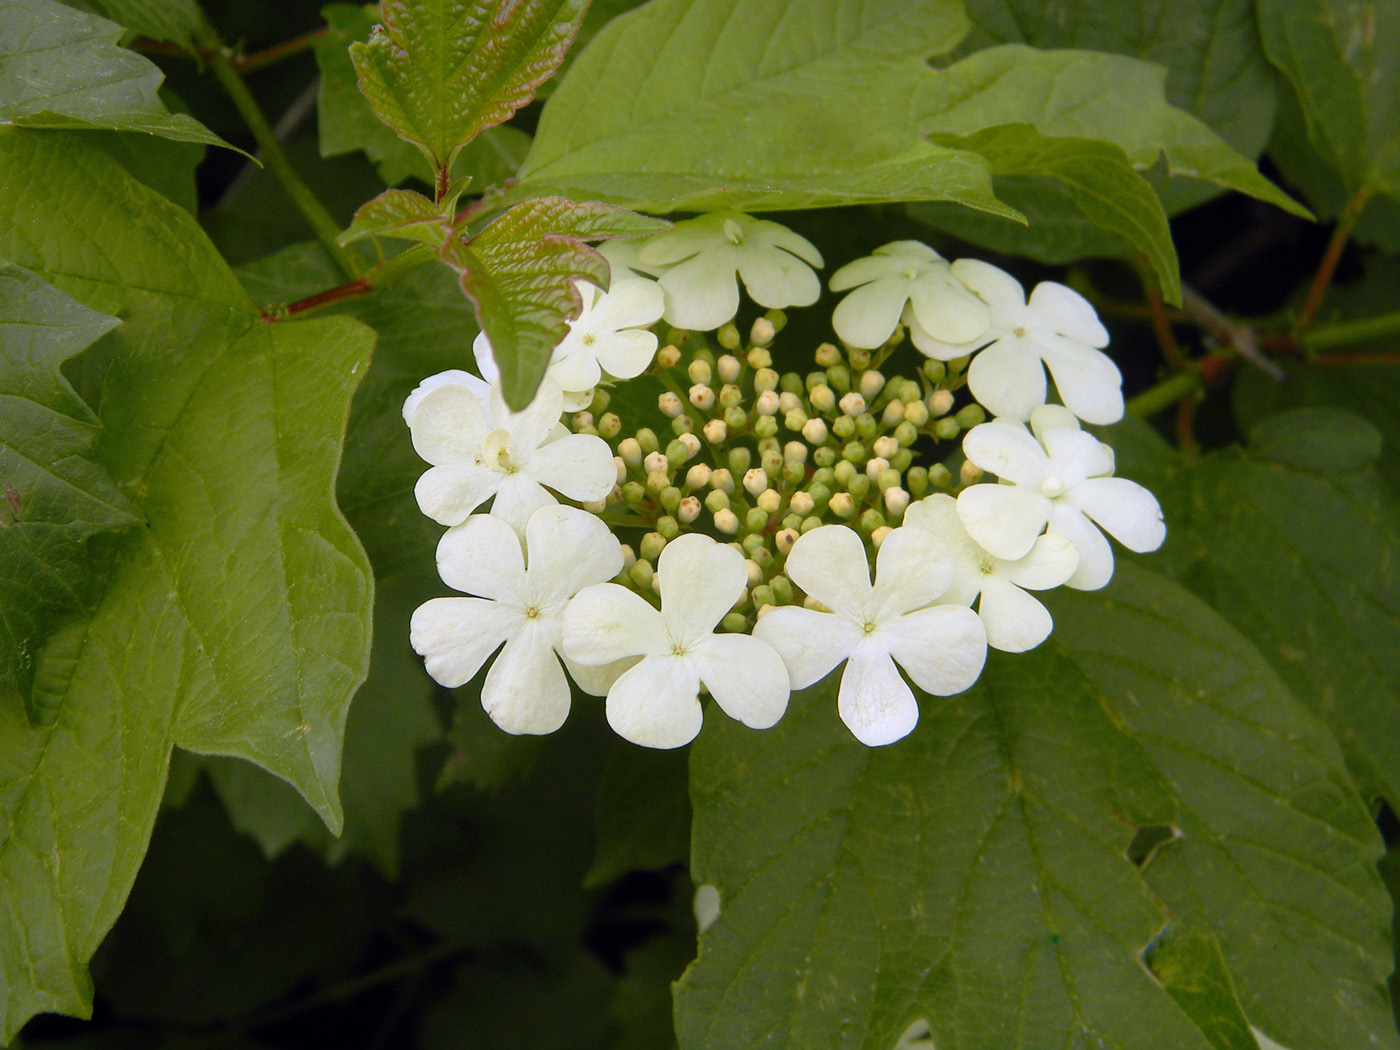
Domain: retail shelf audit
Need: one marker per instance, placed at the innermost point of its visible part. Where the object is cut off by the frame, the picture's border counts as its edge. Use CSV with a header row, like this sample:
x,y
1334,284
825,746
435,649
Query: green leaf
x,y
346,122
173,20
976,873
643,814
1192,969
520,272
750,104
61,68
1302,555
53,496
1343,62
237,621
1100,183
405,214
440,71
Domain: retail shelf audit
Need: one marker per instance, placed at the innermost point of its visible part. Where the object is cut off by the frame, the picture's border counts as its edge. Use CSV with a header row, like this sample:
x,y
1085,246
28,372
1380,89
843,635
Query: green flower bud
x,y
934,371
844,472
630,449
822,397
813,522
651,546
699,372
866,427
871,520
859,358
844,427
656,481
758,357
793,473
765,427
601,399
859,487
682,424
970,415
958,365
916,413
727,336
824,456
762,595
790,523
739,460
590,430
752,542
633,493
901,460
917,481
736,418
838,377
730,396
946,429
760,553
716,501
735,623
939,476
641,573
796,419
791,383
646,438
781,587
609,426
820,495
906,433
887,479
756,520
776,318
677,452
765,379
854,452
670,498
771,460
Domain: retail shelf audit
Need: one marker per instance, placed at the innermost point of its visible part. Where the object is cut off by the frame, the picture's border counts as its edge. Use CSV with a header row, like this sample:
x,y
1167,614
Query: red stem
x,y
1323,278
359,286
243,63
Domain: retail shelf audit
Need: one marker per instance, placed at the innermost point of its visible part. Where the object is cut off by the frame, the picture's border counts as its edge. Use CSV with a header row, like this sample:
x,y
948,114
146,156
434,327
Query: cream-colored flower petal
x,y
913,568
1095,567
745,676
811,643
456,635
1015,621
475,385
578,465
1008,451
1008,379
946,310
701,293
1124,509
1063,310
482,556
700,580
767,232
518,496
569,550
607,622
1089,382
656,703
995,287
449,494
942,649
627,354
1004,519
1050,563
776,279
873,700
448,425
829,563
525,690
596,681
1075,455
868,316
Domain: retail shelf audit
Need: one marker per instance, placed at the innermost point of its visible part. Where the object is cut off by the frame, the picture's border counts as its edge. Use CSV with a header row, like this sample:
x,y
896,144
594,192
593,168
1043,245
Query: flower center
x,y
1053,487
733,232
987,567
911,271
589,339
1020,329
497,452
869,627
532,612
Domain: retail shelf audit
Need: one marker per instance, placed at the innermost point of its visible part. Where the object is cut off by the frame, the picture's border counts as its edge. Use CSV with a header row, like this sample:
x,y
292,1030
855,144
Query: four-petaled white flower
x,y
898,273
479,452
1057,329
479,388
941,647
1014,620
608,336
1059,477
522,606
657,702
702,256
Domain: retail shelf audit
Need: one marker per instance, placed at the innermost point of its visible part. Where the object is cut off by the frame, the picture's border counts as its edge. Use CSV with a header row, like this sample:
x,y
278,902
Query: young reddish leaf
x,y
520,272
404,214
439,71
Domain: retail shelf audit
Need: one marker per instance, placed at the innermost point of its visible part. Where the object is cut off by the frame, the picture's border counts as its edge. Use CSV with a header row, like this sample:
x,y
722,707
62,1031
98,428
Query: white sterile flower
x,y
622,254
608,336
525,691
479,452
942,648
1060,478
899,273
703,255
1057,329
1014,620
657,702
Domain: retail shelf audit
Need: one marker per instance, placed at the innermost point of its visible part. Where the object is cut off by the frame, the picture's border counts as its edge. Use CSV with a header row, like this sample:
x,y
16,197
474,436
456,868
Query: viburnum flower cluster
x,y
779,527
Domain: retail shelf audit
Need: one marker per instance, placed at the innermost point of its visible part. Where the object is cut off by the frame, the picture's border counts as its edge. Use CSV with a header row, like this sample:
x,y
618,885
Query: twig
x,y
1323,278
243,63
1228,332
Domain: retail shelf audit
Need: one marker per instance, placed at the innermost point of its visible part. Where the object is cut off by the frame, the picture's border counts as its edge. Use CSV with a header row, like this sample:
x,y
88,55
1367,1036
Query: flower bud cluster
x,y
742,500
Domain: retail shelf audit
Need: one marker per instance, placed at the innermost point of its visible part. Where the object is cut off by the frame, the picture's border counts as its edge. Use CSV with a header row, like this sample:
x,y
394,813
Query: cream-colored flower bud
x,y
715,431
726,521
970,473
823,398
916,412
629,557
811,603
766,404
896,501
842,505
814,431
730,396
788,402
758,357
802,503
827,355
852,404
721,480
688,510
699,371
670,405
762,332
885,446
701,396
595,506
763,610
873,467
729,368
727,336
698,476
878,536
765,379
668,356
630,449
691,443
768,501
621,465
755,480
871,383
755,572
893,414
940,403
653,543
656,462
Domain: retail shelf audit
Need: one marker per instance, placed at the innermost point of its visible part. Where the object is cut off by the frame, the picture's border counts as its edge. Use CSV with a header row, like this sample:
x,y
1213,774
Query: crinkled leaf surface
x,y
237,621
53,496
439,71
1296,540
62,68
1343,62
751,104
405,214
1101,184
346,123
520,271
976,873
